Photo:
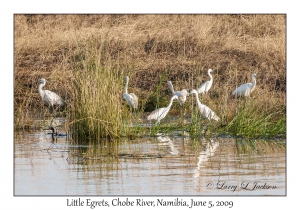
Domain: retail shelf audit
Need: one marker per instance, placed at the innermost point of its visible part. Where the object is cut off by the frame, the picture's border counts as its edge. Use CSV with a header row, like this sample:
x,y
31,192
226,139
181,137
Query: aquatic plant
x,y
96,98
255,119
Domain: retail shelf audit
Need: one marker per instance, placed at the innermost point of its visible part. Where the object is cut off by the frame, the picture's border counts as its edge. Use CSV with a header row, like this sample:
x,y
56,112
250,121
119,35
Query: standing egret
x,y
245,89
204,88
51,98
131,98
160,113
181,94
204,110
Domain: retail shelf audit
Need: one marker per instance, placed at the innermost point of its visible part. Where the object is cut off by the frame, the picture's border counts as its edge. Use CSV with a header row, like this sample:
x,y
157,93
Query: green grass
x,y
96,110
253,120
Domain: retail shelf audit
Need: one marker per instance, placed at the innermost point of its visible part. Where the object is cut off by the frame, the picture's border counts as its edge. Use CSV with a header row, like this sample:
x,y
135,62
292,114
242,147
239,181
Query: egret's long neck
x,y
210,76
170,104
171,87
253,83
40,90
126,86
197,99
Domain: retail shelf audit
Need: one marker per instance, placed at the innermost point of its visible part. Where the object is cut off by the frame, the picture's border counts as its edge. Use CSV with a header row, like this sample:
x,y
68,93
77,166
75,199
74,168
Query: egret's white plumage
x,y
131,98
204,88
160,113
245,89
181,94
51,98
205,111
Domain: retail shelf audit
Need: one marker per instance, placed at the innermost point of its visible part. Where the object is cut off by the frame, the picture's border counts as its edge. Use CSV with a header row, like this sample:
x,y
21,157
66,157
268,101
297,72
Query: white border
x,y
8,201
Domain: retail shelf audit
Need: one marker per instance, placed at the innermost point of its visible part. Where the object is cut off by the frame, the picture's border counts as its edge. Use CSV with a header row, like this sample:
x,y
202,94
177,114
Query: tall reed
x,y
96,99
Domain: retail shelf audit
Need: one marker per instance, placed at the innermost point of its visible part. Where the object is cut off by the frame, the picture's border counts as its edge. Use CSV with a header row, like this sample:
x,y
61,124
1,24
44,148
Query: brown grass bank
x,y
153,49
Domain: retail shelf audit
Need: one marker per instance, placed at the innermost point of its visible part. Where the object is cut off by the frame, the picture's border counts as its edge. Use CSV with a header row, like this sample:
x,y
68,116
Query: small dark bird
x,y
55,134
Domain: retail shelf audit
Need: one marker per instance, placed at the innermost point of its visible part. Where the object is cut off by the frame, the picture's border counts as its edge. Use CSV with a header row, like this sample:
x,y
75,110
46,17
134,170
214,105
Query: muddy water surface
x,y
162,165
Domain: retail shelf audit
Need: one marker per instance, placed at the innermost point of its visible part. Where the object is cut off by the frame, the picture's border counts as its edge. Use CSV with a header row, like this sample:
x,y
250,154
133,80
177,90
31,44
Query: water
x,y
150,166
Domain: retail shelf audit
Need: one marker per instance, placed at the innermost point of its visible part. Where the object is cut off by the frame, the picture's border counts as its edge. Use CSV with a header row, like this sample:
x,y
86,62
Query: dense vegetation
x,y
85,59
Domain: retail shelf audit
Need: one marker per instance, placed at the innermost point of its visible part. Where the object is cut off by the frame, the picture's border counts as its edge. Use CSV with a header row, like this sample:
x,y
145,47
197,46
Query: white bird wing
x,y
212,115
131,99
181,96
203,110
157,114
52,98
208,113
202,88
242,90
128,98
134,100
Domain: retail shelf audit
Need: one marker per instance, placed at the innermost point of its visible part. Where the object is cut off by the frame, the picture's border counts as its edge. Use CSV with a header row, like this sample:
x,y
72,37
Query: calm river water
x,y
162,165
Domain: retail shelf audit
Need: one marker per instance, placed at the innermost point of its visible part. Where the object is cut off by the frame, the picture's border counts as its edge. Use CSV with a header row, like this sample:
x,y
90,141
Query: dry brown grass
x,y
145,47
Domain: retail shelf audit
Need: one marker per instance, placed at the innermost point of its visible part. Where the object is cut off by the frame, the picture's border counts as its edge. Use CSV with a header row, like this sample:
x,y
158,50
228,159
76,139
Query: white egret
x,y
245,89
205,111
181,94
131,98
51,98
204,88
160,113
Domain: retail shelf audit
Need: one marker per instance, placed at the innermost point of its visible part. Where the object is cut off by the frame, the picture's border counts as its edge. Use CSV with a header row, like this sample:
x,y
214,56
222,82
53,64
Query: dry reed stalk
x,y
182,47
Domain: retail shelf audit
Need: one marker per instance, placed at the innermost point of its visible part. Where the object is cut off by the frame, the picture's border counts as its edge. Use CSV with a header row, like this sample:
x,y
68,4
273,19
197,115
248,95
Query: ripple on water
x,y
161,165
